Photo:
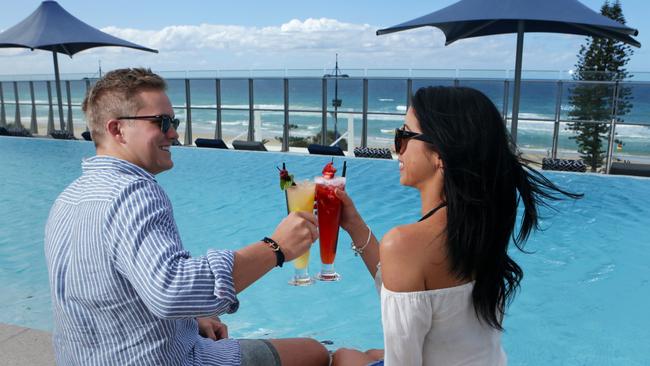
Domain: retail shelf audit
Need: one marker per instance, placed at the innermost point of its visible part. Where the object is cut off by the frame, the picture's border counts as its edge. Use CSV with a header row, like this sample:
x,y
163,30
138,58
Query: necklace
x,y
433,210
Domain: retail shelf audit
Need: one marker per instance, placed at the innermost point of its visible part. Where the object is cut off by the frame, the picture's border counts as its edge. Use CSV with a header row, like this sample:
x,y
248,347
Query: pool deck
x,y
24,346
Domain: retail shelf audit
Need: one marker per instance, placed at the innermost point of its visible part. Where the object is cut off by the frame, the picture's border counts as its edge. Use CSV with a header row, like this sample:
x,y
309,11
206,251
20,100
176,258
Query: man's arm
x,y
147,251
294,235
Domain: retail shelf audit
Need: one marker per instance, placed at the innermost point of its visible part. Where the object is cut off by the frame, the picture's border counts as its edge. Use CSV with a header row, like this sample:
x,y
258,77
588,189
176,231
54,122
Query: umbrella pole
x,y
57,80
516,96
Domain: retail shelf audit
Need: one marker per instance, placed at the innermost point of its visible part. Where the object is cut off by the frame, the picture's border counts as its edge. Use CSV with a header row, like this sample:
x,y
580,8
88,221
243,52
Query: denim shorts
x,y
258,352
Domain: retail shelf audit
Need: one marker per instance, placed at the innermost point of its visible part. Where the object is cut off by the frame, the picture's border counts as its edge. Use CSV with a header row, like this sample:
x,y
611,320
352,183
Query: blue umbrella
x,y
476,18
52,28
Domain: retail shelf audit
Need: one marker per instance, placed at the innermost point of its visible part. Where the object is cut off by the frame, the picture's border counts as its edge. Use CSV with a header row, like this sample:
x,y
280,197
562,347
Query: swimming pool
x,y
583,299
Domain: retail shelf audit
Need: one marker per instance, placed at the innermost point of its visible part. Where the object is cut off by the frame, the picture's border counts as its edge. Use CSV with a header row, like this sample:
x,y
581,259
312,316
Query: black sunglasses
x,y
402,136
164,120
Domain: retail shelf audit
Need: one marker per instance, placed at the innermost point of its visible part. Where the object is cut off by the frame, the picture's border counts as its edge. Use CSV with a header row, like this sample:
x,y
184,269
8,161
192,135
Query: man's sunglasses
x,y
402,136
165,121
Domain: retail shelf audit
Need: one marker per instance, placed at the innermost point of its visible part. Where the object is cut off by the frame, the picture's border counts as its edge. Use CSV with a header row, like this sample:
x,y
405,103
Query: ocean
x,y
387,101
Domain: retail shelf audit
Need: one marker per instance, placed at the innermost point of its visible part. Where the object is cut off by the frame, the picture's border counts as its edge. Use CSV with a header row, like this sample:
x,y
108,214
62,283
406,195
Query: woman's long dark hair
x,y
484,181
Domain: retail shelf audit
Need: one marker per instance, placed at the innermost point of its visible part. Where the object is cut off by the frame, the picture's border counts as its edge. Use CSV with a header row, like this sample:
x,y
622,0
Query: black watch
x,y
279,256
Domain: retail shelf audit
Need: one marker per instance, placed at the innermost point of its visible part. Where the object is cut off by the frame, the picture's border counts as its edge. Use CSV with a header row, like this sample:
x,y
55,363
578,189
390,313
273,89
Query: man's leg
x,y
301,351
283,352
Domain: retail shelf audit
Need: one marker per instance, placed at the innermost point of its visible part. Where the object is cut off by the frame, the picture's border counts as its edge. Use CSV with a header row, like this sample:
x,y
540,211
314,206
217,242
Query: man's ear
x,y
114,130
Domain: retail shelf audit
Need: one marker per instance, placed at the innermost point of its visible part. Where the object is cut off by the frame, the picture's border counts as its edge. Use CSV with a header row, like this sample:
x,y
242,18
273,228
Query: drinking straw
x,y
286,196
286,200
345,166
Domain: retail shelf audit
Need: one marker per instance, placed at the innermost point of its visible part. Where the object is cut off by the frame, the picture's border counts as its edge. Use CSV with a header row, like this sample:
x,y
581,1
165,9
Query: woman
x,y
446,279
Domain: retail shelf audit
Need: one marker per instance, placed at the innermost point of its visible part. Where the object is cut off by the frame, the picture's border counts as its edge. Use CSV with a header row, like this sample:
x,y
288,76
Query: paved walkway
x,y
23,346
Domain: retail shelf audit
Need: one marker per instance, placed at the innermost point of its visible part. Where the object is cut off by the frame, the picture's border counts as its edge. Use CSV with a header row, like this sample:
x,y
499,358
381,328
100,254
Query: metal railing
x,y
324,109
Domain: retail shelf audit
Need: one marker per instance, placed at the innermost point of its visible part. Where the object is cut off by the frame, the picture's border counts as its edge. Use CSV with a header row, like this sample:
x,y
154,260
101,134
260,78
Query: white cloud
x,y
309,43
13,51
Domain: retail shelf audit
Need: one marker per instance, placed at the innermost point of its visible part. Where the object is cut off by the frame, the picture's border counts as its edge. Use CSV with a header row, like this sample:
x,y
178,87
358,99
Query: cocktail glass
x,y
329,216
301,198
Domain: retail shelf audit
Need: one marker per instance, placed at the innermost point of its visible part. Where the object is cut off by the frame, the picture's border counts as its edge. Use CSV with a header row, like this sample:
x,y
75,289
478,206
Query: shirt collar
x,y
104,163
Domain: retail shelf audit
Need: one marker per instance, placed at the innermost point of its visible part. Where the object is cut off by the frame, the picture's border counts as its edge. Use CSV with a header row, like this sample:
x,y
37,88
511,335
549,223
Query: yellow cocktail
x,y
301,198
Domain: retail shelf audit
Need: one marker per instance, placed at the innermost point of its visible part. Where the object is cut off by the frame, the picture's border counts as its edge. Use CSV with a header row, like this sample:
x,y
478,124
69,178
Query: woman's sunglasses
x,y
402,136
165,121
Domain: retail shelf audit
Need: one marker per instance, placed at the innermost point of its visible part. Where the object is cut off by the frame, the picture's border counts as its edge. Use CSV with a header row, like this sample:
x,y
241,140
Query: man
x,y
124,291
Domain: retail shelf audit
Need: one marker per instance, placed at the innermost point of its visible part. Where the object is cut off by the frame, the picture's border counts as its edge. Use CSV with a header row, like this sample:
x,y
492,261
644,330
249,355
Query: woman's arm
x,y
359,231
368,245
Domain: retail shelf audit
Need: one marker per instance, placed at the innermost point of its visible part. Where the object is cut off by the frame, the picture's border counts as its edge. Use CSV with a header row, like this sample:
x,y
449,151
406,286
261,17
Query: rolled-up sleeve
x,y
221,264
147,250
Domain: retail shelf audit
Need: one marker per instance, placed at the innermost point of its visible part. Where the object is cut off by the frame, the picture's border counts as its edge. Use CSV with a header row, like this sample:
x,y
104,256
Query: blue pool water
x,y
583,300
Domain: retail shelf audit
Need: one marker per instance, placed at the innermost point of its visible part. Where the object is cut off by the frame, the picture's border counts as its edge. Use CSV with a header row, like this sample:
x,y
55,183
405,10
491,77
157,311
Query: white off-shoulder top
x,y
436,327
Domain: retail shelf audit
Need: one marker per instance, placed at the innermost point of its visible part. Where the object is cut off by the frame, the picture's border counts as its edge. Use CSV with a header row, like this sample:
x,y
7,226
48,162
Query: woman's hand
x,y
212,328
359,232
350,218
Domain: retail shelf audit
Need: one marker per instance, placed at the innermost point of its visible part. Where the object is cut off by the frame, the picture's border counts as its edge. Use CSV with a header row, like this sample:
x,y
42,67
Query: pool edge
x,y
25,346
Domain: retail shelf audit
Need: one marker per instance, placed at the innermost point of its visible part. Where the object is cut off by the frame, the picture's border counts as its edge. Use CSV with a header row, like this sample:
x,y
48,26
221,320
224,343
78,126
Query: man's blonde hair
x,y
115,95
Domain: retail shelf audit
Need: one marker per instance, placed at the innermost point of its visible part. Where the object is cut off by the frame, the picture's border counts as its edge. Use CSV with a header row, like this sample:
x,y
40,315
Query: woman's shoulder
x,y
400,255
399,236
408,239
400,243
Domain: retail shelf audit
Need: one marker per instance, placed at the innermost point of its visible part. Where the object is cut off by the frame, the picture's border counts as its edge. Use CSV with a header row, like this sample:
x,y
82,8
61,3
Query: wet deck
x,y
24,346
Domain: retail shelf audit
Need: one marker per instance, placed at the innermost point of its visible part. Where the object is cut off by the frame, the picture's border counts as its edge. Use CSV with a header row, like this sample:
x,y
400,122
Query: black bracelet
x,y
279,256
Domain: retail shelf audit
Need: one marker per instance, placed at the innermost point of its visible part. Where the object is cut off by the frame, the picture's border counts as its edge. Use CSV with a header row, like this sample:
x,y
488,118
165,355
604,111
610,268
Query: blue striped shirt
x,y
124,291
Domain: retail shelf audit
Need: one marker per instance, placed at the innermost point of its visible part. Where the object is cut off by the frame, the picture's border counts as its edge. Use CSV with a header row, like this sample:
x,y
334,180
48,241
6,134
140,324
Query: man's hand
x,y
296,233
212,328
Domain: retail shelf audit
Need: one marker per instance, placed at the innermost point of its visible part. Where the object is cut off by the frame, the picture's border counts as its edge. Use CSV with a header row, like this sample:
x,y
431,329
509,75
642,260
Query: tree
x,y
600,59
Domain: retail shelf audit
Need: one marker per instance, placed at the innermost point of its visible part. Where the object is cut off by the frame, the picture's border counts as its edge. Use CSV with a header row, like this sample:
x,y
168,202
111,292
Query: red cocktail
x,y
329,215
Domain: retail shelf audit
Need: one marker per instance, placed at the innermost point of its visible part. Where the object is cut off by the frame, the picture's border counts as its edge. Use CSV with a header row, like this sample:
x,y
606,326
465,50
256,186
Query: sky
x,y
295,34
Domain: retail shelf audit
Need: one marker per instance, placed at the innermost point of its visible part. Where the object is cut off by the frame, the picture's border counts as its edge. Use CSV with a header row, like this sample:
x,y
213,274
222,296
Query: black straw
x,y
345,166
286,195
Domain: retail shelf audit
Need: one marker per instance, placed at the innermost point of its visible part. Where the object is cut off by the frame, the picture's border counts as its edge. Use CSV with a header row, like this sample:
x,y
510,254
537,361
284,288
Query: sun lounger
x,y
62,135
248,145
564,165
325,150
624,168
372,152
212,143
15,131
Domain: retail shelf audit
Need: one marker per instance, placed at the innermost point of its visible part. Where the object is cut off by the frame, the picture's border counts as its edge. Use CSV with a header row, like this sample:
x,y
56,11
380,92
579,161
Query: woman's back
x,y
437,327
415,256
427,313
